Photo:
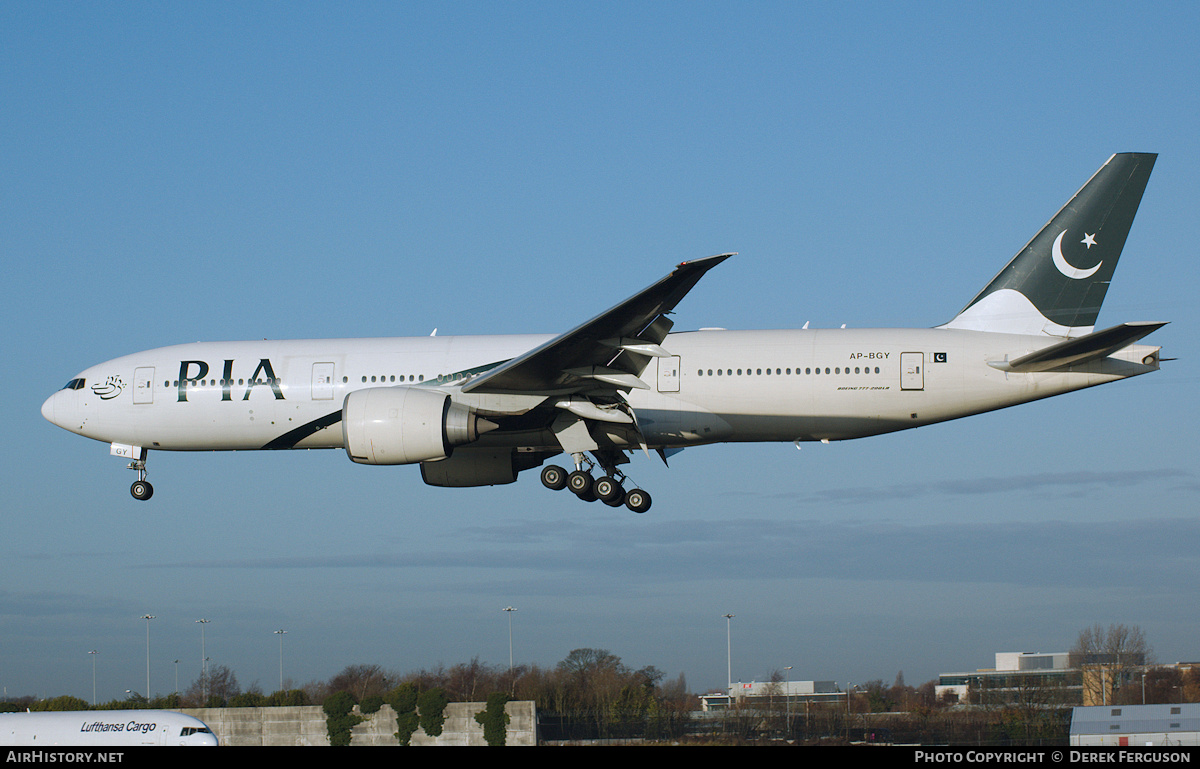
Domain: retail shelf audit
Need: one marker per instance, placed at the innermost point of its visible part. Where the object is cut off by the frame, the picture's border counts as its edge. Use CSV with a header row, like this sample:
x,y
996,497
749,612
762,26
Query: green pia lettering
x,y
195,370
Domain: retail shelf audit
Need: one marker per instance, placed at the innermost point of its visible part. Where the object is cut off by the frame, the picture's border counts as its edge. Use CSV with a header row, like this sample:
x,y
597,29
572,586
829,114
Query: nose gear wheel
x,y
141,488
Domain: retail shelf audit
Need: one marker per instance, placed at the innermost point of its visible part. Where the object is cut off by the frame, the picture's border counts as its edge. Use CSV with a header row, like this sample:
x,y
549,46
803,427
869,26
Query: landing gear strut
x,y
141,488
608,488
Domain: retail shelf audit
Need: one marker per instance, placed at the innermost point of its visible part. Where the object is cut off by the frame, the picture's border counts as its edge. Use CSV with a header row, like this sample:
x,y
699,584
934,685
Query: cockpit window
x,y
188,731
74,384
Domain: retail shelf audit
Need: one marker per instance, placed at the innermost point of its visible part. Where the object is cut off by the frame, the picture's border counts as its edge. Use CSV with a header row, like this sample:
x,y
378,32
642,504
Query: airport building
x,y
1136,725
1059,678
1014,671
778,694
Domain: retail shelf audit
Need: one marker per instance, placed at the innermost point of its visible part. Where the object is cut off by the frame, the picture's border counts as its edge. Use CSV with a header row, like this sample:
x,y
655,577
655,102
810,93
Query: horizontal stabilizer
x,y
1074,352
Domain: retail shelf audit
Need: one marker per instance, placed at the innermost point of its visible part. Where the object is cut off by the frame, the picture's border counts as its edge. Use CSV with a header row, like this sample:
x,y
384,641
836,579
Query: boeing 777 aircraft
x,y
478,410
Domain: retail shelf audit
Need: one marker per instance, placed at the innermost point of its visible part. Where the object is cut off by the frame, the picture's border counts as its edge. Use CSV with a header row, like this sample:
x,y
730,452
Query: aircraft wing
x,y
610,351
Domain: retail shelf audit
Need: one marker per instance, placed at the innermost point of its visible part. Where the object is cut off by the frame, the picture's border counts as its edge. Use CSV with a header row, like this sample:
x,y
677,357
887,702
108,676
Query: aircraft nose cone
x,y
48,409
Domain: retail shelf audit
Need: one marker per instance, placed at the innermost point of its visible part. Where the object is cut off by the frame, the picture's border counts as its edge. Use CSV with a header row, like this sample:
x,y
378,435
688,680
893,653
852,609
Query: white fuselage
x,y
94,728
718,385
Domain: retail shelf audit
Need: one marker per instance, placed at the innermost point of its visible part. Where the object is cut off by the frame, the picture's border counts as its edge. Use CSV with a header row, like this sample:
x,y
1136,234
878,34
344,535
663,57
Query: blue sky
x,y
240,171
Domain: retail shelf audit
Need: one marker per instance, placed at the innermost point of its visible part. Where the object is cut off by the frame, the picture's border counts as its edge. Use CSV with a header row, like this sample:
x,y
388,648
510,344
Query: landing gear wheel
x,y
580,482
141,490
638,501
608,491
554,478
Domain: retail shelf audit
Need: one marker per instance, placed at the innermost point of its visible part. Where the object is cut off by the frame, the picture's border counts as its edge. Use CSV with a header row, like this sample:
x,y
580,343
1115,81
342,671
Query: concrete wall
x,y
306,726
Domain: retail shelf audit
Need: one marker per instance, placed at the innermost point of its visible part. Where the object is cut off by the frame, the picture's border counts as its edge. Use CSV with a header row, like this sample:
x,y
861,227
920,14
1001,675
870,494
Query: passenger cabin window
x,y
750,372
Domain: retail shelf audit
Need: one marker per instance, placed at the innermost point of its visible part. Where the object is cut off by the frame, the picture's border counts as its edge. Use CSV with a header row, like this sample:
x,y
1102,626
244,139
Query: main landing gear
x,y
608,488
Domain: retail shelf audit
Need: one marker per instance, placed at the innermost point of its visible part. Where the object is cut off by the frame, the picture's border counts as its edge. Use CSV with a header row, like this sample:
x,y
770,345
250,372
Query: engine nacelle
x,y
403,425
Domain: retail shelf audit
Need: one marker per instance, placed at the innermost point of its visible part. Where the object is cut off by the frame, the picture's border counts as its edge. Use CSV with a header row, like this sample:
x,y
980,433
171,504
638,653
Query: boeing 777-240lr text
x,y
479,410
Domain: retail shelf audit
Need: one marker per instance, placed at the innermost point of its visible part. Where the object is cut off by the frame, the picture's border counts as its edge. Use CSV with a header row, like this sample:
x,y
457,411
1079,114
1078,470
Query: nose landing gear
x,y
141,488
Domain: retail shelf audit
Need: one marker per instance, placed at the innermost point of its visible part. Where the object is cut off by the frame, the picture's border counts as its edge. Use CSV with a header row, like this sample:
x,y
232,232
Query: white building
x,y
1013,669
778,693
1136,725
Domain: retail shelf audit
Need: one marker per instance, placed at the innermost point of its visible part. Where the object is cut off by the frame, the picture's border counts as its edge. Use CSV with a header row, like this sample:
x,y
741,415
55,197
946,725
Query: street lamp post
x,y
281,633
512,682
92,654
509,610
787,698
203,659
849,689
147,617
728,661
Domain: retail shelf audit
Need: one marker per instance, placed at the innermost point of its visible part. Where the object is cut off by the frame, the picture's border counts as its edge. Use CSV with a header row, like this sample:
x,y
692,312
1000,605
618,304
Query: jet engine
x,y
403,425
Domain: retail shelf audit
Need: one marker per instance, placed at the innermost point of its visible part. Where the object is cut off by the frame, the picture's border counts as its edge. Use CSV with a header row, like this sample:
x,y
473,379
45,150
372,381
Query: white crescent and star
x,y
1065,267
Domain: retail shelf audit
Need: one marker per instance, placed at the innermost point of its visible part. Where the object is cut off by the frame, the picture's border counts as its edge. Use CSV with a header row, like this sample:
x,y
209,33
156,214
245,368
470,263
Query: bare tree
x,y
1163,685
472,681
362,680
586,662
219,683
1191,685
1110,659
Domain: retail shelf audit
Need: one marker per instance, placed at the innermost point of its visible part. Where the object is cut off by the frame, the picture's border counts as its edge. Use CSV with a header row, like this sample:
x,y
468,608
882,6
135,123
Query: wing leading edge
x,y
610,351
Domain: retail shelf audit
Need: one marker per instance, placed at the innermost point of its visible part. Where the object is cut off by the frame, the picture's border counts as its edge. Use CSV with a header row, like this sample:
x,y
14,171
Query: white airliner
x,y
478,410
84,728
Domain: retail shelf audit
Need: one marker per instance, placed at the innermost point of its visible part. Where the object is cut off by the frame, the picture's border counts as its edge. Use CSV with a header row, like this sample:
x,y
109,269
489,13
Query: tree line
x,y
593,694
589,692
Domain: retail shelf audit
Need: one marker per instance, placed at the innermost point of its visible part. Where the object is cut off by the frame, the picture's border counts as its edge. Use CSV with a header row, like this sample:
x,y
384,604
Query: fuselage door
x,y
912,376
668,374
143,385
322,382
